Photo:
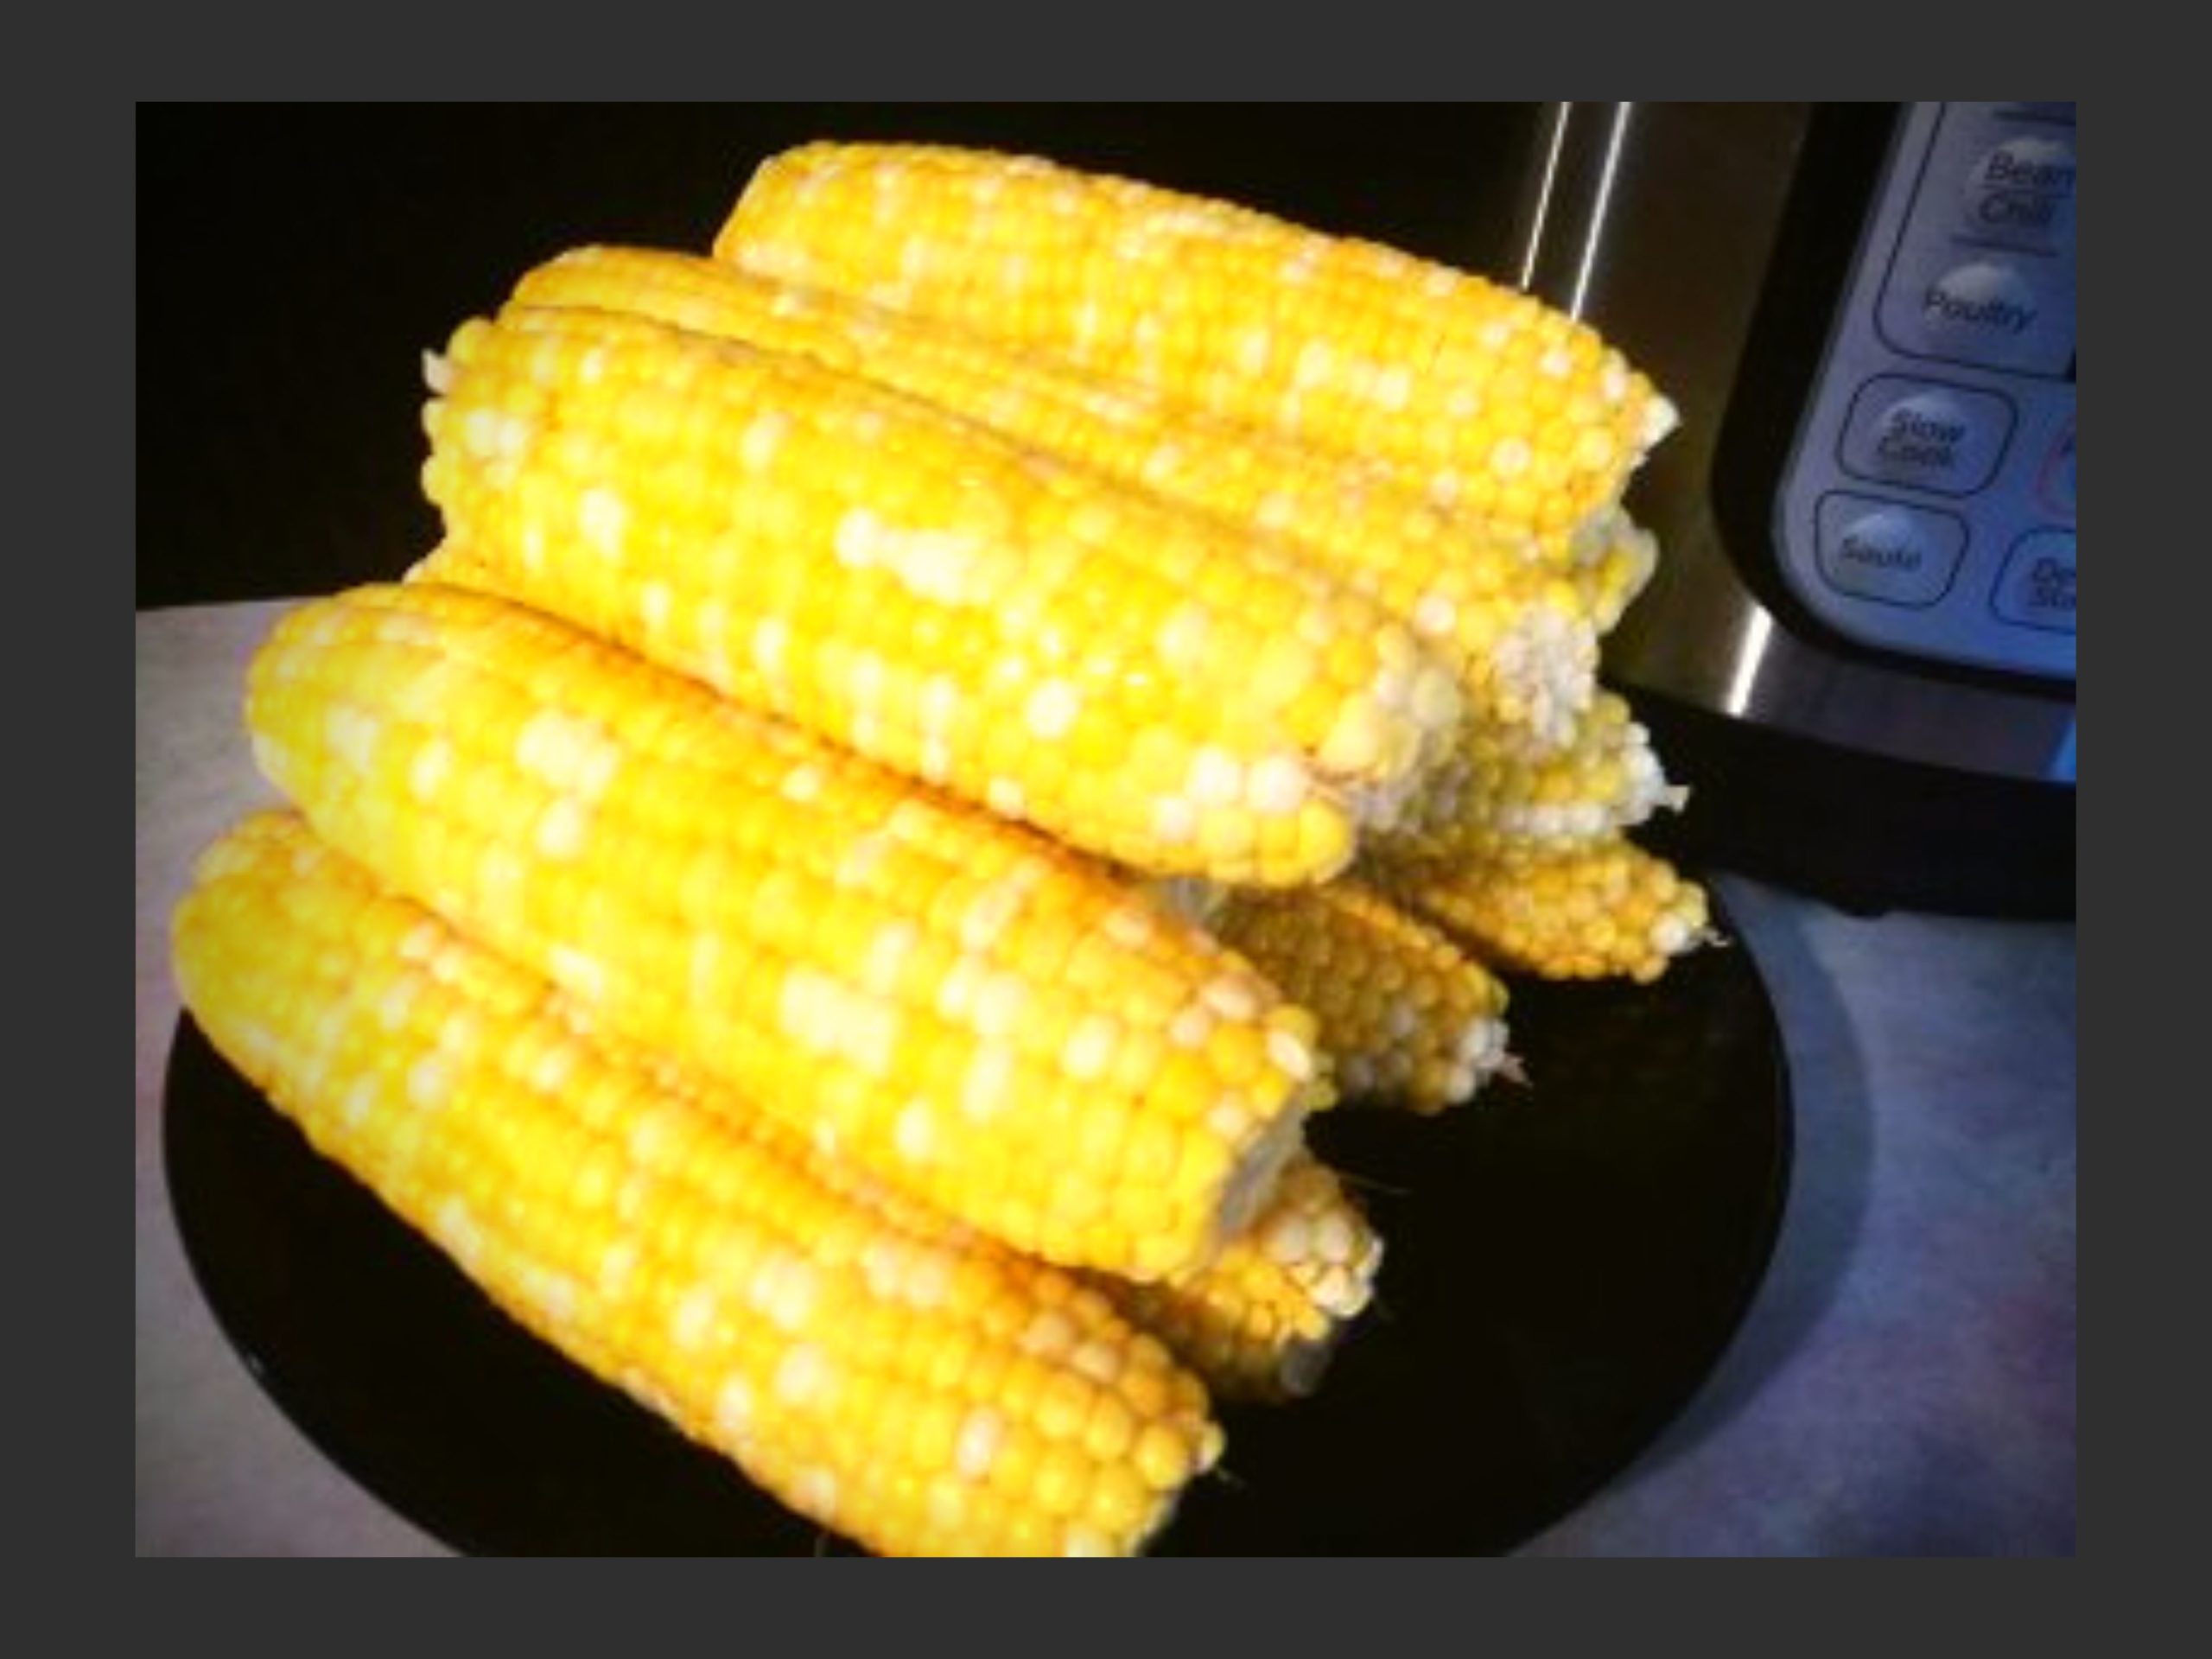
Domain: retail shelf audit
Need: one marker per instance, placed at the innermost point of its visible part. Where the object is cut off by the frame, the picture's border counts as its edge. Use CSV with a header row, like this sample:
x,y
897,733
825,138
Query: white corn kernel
x,y
857,534
1174,821
733,1407
1333,1238
764,435
1052,711
983,1088
915,1131
976,1447
1090,1047
1293,1058
692,1320
1276,787
562,829
1216,778
1231,999
1289,1239
603,519
1192,1025
1435,615
803,1376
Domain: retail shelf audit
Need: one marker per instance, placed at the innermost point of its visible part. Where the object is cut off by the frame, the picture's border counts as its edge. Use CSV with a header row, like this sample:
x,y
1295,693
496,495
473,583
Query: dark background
x,y
294,263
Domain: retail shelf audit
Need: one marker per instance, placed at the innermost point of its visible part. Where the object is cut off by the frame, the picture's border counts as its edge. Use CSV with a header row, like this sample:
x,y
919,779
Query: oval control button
x,y
1926,433
1888,552
2022,192
2036,589
1979,310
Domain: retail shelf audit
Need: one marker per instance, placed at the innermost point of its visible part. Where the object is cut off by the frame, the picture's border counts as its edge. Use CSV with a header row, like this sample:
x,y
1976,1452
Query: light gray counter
x,y
1904,1383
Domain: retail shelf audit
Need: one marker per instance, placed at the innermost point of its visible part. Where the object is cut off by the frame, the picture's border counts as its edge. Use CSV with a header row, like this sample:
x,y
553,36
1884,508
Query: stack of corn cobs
x,y
935,737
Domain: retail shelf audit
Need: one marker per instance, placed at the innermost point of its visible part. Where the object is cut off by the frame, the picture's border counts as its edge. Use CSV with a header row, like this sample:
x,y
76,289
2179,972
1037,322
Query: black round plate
x,y
1564,1264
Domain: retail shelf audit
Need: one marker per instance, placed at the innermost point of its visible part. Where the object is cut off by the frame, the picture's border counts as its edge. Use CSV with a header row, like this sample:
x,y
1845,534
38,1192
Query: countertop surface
x,y
1903,1384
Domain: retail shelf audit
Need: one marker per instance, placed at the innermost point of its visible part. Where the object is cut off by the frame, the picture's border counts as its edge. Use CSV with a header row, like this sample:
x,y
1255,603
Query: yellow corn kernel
x,y
1496,401
705,879
612,469
772,1306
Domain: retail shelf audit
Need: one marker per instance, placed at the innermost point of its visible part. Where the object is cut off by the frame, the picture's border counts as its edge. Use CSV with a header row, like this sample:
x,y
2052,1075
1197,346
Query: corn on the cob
x,y
1610,909
1496,402
1505,607
1131,676
1405,1016
969,1010
916,1388
1262,1321
1608,779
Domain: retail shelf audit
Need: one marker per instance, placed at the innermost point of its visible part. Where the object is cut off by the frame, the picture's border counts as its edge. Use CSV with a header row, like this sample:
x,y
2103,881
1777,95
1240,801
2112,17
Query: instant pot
x,y
1859,646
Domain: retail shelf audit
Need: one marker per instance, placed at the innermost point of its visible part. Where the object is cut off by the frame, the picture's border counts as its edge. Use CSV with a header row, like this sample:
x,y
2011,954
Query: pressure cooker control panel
x,y
1928,506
